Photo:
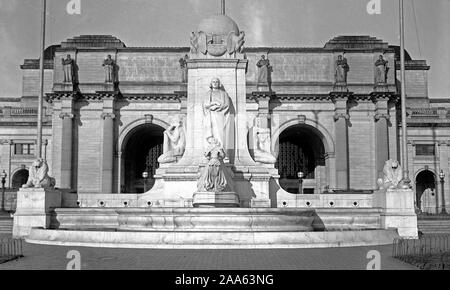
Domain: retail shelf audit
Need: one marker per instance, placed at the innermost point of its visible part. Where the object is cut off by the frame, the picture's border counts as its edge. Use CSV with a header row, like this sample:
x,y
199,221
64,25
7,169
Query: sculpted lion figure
x,y
38,175
393,175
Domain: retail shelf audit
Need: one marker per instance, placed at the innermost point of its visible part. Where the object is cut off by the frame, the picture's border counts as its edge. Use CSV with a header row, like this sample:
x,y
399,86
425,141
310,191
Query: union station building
x,y
101,136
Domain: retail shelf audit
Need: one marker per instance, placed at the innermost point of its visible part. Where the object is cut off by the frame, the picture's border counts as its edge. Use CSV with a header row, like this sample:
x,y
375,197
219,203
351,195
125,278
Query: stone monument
x,y
35,200
396,199
216,110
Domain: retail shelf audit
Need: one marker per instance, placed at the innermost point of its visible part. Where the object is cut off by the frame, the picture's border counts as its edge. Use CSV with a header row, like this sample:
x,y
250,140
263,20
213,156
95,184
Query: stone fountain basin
x,y
187,219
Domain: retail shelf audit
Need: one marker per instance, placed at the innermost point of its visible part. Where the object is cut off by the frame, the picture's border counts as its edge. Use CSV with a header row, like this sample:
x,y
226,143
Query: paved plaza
x,y
42,257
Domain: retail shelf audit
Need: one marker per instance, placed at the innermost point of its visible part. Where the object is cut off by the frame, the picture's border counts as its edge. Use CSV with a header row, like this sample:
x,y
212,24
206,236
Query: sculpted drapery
x,y
217,117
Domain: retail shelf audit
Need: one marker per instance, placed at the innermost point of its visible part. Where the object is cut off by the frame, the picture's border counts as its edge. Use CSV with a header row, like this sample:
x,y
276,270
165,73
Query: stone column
x,y
341,118
107,149
443,164
66,150
381,133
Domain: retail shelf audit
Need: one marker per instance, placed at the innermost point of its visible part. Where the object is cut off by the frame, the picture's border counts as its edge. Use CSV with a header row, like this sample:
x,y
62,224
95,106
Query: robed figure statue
x,y
217,115
342,68
264,70
68,68
381,70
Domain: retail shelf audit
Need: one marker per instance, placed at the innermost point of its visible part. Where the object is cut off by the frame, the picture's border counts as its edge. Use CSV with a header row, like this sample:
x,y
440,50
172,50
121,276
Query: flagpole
x,y
41,90
403,96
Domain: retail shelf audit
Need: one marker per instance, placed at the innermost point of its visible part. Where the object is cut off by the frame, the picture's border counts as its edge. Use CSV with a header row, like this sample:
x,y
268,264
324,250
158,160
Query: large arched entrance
x,y
301,150
426,184
143,146
19,178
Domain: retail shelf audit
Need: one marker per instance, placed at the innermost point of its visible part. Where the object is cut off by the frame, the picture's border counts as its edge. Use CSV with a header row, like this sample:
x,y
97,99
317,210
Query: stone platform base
x,y
215,199
211,240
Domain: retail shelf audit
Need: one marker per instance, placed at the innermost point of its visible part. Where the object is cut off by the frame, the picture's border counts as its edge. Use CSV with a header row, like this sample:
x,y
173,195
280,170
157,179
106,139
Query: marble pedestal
x,y
215,199
33,209
398,211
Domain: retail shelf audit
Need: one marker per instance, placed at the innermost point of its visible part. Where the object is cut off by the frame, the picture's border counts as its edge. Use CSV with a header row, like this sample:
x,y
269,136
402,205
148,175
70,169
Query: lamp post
x,y
3,175
145,176
442,176
300,182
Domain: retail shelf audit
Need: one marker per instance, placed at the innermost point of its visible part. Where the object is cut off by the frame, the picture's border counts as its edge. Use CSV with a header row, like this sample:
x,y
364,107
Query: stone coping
x,y
214,240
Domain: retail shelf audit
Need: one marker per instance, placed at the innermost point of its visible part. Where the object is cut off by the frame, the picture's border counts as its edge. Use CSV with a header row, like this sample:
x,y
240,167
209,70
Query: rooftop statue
x,y
68,68
110,69
342,68
381,70
264,69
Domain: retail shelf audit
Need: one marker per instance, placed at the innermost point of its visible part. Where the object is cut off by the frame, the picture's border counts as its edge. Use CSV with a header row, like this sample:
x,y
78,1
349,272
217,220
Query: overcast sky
x,y
297,23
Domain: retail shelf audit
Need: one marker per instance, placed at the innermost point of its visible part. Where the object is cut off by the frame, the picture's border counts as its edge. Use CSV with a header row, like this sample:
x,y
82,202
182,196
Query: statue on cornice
x,y
68,68
110,69
381,70
183,66
342,68
264,70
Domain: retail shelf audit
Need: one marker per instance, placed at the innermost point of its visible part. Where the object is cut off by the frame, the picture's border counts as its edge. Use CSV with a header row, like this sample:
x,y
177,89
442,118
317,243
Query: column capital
x,y
412,143
443,143
66,115
107,115
337,116
378,116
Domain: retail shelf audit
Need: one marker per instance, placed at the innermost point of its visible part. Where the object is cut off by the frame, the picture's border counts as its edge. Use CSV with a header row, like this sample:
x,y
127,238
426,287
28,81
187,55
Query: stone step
x,y
435,226
6,225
